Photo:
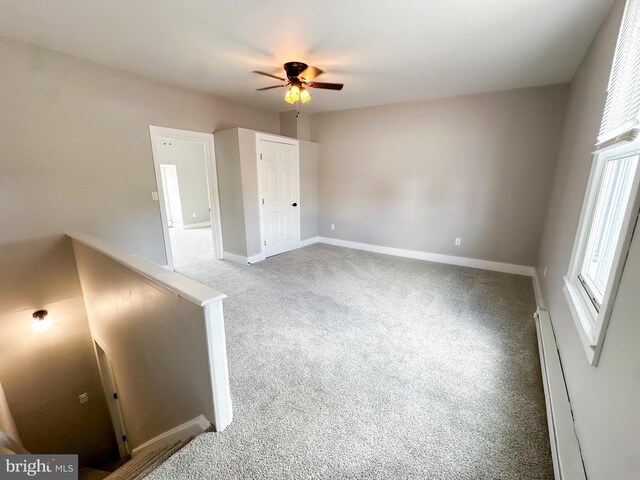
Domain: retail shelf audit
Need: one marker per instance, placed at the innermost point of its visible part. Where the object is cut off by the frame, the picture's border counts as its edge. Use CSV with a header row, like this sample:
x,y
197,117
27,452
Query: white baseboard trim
x,y
308,241
256,258
565,447
242,260
192,427
196,225
434,257
537,291
232,257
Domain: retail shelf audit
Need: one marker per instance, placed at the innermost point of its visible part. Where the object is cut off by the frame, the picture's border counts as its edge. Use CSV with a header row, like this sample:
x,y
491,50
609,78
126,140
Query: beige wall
x,y
43,373
249,167
76,156
304,126
289,124
308,190
230,192
156,342
189,159
418,175
605,398
238,183
76,140
295,125
236,158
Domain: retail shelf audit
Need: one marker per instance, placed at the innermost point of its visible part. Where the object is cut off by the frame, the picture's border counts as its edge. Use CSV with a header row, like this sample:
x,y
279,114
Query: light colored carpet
x,y
190,246
354,365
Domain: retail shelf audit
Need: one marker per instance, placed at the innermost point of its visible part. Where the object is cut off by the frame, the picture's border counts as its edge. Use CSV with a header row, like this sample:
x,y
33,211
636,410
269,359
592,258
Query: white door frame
x,y
212,182
288,141
117,419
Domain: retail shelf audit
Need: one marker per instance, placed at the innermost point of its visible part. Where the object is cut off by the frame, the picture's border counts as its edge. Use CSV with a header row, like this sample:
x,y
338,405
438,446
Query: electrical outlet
x,y
333,226
458,241
154,196
544,274
84,398
194,215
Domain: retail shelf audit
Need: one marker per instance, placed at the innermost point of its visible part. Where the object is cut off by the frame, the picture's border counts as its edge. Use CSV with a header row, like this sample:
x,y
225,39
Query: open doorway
x,y
188,193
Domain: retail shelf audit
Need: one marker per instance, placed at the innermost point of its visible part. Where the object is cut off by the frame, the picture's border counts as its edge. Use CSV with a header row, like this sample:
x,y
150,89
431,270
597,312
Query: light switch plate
x,y
154,196
84,398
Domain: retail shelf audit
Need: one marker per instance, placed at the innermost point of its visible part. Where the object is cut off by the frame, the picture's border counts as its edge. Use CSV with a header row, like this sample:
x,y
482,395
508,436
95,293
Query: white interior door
x,y
280,190
113,400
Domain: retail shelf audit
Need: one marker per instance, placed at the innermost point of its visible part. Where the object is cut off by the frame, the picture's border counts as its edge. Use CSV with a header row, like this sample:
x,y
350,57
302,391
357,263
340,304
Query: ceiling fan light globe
x,y
287,97
294,92
305,96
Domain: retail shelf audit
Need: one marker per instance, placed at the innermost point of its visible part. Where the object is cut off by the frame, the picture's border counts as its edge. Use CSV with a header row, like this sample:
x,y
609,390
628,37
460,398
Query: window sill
x,y
582,317
626,134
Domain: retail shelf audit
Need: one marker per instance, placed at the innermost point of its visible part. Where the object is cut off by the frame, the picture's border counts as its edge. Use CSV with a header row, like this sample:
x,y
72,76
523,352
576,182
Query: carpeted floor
x,y
190,246
353,365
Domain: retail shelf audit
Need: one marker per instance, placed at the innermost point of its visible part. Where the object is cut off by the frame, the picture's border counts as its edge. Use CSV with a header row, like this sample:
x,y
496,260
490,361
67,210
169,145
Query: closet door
x,y
280,196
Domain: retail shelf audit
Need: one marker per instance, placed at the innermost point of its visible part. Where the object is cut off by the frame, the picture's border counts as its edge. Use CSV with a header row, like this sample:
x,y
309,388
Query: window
x,y
610,210
606,225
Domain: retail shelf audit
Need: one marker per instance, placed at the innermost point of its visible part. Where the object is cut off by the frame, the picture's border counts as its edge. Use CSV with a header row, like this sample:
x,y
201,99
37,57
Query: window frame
x,y
591,322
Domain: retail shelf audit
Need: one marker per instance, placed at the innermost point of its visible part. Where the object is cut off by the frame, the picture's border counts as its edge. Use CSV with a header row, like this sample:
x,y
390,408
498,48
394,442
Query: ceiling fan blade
x,y
310,73
269,88
269,75
327,86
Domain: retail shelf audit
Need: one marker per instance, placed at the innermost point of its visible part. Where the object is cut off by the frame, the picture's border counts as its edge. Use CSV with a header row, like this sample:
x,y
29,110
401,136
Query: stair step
x,y
86,473
138,467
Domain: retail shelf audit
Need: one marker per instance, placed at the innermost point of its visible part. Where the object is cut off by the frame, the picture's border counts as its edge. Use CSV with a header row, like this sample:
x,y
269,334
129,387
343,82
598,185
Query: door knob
x,y
294,204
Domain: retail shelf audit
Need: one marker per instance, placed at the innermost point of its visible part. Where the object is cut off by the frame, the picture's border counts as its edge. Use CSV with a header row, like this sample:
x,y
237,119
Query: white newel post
x,y
217,347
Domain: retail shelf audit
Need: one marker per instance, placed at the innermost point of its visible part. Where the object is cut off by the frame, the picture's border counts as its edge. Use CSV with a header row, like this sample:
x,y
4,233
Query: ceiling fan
x,y
299,77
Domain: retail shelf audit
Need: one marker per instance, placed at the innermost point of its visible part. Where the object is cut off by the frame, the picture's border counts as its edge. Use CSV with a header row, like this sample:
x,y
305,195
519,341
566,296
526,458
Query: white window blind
x,y
622,109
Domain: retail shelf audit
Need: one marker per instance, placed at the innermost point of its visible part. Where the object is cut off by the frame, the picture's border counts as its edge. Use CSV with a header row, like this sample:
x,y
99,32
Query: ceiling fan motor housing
x,y
294,69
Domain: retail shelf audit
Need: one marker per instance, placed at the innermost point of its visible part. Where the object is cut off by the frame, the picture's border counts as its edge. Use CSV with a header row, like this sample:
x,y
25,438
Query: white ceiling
x,y
385,51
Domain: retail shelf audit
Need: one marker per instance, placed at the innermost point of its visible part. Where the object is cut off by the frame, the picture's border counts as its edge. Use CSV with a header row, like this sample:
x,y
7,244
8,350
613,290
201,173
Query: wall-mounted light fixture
x,y
42,322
